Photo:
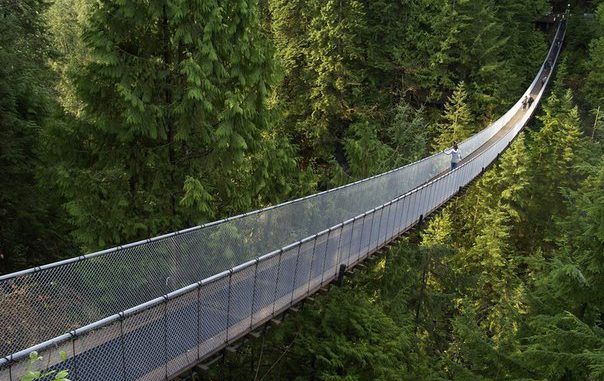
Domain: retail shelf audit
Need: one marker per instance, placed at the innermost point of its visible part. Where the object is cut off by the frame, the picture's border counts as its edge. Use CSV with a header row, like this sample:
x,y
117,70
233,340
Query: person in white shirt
x,y
455,156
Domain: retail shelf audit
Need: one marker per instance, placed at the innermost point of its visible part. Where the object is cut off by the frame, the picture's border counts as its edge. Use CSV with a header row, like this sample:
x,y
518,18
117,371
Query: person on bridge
x,y
530,101
455,156
525,102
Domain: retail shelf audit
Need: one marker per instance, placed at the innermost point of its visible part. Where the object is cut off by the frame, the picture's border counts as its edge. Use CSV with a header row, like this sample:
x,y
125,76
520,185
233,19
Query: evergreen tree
x,y
556,152
365,153
525,46
66,20
595,77
456,122
32,231
564,338
408,135
173,126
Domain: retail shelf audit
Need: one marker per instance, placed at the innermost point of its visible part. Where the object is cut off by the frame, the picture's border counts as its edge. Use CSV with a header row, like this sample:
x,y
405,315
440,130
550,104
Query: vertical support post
x,y
254,295
314,247
339,244
370,232
75,359
395,218
226,339
198,320
166,336
122,345
295,274
325,256
277,282
341,273
361,235
387,227
379,229
350,242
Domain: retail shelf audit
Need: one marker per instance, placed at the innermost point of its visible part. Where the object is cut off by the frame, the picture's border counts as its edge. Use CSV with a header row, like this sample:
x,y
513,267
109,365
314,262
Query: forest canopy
x,y
123,120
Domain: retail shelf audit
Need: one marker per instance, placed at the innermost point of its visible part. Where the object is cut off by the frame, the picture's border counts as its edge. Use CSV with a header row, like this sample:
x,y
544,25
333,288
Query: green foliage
x,y
556,152
595,79
456,123
173,129
365,153
408,135
32,375
175,113
31,222
66,20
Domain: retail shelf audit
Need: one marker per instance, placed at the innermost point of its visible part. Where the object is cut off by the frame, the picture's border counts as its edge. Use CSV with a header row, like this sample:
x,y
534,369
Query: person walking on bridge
x,y
525,102
455,156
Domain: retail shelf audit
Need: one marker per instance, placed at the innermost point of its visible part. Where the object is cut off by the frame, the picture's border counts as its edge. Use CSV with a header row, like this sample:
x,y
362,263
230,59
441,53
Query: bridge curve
x,y
139,311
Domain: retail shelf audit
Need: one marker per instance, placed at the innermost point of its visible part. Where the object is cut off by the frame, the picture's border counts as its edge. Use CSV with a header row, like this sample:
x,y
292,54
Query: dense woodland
x,y
124,119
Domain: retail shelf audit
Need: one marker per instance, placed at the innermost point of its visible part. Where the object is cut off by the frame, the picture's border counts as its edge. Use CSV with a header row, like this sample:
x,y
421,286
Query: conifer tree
x,y
456,122
469,44
173,126
556,152
408,135
595,77
66,20
564,338
32,231
365,153
525,46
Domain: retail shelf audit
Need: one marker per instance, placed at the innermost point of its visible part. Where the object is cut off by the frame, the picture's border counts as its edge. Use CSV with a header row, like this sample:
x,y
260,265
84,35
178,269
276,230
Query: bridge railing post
x,y
293,289
165,338
385,226
254,292
198,327
352,226
228,313
336,254
422,201
312,261
378,232
360,247
325,256
414,207
366,245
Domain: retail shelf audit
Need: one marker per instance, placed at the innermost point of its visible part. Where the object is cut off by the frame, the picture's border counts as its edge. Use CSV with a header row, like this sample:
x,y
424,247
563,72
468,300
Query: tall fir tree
x,y
555,153
457,121
32,230
595,78
173,128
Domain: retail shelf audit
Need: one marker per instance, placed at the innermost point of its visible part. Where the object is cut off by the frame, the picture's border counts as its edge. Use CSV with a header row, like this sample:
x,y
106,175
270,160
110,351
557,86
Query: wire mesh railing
x,y
140,312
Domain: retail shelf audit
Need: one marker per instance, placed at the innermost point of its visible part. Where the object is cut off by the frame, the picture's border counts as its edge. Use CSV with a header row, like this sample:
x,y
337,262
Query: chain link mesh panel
x,y
286,277
213,314
99,354
318,264
264,293
345,240
305,260
144,342
241,299
355,241
182,327
331,255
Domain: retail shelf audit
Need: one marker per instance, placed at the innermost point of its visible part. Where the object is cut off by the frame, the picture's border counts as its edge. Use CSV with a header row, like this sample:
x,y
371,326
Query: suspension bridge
x,y
153,309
